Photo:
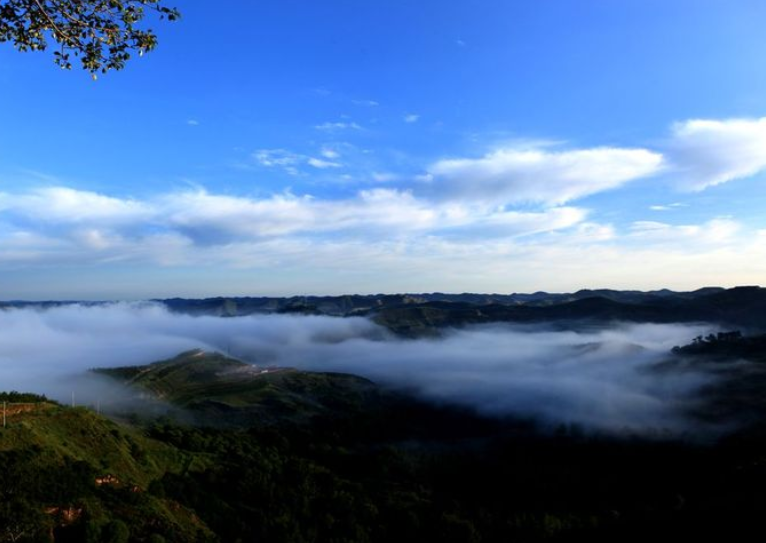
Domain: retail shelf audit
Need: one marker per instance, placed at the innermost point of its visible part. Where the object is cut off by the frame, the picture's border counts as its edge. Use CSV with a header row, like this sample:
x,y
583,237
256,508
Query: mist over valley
x,y
601,376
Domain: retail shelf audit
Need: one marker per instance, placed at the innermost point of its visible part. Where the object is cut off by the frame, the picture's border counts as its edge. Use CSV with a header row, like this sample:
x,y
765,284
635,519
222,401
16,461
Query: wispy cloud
x,y
390,237
700,154
290,161
705,153
74,221
366,103
276,157
338,126
63,205
718,230
322,164
542,176
668,207
329,152
385,177
411,118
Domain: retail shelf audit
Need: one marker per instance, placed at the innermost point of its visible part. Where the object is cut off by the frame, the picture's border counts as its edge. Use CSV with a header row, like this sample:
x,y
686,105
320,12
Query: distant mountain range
x,y
348,305
424,314
740,307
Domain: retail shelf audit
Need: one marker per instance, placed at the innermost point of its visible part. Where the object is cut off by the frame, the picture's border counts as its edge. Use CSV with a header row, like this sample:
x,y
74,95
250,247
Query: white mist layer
x,y
601,378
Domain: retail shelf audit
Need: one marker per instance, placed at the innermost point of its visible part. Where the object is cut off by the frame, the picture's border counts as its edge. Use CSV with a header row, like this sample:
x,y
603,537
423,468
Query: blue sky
x,y
296,147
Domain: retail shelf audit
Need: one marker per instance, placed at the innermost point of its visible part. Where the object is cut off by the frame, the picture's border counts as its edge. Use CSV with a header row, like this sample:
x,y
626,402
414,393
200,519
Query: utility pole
x,y
73,398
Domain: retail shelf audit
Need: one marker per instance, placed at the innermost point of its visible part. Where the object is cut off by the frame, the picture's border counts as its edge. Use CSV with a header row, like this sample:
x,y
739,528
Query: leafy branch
x,y
102,33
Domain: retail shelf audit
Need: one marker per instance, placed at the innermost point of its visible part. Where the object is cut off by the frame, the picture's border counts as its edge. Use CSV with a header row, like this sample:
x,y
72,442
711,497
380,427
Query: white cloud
x,y
705,153
367,103
513,223
540,176
215,219
322,164
65,225
376,240
718,230
328,152
290,162
208,218
384,177
501,219
69,206
192,122
338,126
667,207
411,118
589,232
276,157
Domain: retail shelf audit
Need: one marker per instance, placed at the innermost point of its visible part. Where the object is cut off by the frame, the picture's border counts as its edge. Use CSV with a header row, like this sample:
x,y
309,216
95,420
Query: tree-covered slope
x,y
81,477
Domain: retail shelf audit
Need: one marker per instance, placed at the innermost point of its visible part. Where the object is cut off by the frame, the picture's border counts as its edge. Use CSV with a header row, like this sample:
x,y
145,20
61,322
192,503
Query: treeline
x,y
727,346
22,397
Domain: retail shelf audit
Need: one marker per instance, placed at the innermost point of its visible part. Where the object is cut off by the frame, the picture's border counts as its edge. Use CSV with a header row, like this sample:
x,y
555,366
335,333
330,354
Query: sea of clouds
x,y
606,379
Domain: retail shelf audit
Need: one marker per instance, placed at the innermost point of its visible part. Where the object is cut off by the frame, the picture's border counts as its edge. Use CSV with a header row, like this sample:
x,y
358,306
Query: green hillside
x,y
217,389
79,476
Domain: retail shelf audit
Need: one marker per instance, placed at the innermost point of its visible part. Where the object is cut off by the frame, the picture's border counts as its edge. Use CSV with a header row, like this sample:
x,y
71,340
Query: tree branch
x,y
56,29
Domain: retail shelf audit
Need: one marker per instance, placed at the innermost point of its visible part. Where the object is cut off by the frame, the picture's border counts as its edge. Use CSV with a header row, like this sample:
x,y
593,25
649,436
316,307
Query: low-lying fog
x,y
600,378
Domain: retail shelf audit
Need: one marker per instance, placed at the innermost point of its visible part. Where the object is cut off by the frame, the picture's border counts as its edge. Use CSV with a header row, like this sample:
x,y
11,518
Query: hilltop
x,y
221,390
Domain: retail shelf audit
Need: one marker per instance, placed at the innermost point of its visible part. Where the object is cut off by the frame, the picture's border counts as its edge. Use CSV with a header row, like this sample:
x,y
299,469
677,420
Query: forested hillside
x,y
284,457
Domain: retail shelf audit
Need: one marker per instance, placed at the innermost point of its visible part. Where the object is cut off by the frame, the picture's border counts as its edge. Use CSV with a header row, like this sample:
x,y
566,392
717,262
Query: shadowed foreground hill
x,y
80,477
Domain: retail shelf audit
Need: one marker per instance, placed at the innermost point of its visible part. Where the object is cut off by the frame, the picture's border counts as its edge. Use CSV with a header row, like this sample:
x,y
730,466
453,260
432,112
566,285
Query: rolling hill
x,y
221,390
